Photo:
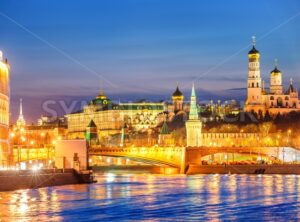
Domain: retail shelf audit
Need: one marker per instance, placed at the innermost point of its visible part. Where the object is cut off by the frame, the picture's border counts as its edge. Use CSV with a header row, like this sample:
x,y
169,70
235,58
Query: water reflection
x,y
159,197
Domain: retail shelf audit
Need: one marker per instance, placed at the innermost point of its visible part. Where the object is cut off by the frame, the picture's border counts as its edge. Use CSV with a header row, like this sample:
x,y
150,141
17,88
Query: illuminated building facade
x,y
276,100
30,142
4,110
109,118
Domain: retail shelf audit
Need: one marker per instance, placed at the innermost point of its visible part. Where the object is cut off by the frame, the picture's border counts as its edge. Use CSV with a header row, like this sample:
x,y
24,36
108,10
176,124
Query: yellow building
x,y
110,118
4,111
276,100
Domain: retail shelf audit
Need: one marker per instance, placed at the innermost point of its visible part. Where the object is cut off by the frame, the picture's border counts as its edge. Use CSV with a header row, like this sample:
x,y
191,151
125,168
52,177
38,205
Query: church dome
x,y
276,70
177,92
253,51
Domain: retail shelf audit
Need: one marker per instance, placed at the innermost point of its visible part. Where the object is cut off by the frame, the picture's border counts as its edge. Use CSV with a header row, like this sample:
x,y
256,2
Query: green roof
x,y
164,129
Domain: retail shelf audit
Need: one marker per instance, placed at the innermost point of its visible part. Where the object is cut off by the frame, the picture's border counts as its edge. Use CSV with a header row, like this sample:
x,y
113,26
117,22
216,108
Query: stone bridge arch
x,y
169,156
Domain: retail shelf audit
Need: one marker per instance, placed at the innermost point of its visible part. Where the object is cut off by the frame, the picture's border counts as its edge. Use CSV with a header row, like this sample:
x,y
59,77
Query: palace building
x,y
110,118
4,111
276,100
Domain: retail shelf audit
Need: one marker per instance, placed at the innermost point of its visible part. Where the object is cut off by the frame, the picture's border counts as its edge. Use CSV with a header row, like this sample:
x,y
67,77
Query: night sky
x,y
134,49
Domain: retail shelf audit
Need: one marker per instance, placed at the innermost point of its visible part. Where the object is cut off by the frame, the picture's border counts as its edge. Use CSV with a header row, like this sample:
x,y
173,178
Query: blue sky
x,y
141,48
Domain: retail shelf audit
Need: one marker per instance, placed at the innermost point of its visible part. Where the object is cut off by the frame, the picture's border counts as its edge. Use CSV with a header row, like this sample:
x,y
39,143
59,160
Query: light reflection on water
x,y
150,197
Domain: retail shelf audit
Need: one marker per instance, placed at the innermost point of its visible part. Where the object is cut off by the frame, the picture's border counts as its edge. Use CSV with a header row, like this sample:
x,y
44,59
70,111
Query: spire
x,y
193,115
21,107
193,91
291,88
21,121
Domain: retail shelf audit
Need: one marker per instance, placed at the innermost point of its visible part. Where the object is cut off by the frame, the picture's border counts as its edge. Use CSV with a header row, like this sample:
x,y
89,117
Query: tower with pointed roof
x,y
193,125
177,99
91,135
254,100
276,81
165,137
21,120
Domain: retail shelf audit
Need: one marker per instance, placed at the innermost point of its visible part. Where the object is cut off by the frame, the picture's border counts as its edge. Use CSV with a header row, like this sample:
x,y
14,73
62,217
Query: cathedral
x,y
276,99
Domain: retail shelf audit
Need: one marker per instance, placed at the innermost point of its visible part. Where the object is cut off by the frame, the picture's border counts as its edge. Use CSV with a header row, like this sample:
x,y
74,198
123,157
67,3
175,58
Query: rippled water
x,y
159,198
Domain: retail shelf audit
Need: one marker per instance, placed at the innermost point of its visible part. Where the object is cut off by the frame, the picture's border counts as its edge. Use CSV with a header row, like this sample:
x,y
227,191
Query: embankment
x,y
244,169
25,179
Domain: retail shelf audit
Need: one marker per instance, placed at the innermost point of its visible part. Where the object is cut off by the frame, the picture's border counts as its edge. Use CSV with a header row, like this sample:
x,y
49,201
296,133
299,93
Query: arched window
x,y
272,98
279,102
286,98
257,85
253,85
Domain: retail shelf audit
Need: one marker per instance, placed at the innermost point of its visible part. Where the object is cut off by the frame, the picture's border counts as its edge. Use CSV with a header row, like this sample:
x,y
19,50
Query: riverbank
x,y
28,179
244,169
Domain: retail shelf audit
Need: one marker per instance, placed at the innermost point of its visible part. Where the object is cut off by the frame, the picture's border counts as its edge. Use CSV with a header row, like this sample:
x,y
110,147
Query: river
x,y
149,197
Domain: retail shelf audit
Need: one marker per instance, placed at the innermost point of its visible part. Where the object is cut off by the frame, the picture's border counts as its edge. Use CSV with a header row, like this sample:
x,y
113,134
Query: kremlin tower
x,y
254,90
193,125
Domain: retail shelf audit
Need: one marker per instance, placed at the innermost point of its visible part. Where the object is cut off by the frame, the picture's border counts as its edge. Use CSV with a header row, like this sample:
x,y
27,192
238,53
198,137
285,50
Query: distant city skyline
x,y
141,49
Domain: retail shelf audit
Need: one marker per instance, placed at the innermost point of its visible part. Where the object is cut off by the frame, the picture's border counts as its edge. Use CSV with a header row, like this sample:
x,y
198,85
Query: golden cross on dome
x,y
253,40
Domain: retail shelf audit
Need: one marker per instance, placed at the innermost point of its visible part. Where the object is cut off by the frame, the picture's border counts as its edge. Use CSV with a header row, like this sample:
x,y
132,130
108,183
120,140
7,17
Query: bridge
x,y
169,156
180,157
